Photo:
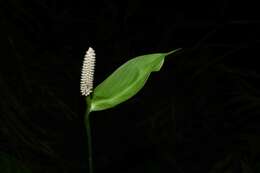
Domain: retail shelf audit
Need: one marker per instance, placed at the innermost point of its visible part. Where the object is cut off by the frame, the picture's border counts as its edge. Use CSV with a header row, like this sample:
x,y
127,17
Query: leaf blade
x,y
126,81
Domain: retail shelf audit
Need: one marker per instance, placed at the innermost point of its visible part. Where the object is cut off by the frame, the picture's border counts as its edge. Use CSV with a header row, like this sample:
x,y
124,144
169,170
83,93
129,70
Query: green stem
x,y
88,128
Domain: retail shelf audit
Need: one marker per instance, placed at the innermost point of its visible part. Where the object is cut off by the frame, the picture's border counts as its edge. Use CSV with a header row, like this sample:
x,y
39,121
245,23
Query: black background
x,y
200,113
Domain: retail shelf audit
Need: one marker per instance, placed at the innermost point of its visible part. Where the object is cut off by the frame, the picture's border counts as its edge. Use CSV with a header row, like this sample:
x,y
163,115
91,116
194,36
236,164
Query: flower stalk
x,y
89,136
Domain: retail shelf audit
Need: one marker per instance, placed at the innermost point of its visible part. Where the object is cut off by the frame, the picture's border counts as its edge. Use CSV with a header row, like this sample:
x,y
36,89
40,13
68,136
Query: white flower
x,y
87,73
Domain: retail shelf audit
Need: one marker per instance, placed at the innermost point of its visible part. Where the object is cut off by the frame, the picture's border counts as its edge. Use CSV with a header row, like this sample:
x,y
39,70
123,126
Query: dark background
x,y
200,113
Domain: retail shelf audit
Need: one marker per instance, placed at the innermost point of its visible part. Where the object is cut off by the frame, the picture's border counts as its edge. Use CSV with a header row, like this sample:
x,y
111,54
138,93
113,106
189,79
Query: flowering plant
x,y
120,86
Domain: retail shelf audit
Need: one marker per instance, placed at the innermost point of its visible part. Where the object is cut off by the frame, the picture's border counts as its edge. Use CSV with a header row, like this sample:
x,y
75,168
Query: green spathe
x,y
126,81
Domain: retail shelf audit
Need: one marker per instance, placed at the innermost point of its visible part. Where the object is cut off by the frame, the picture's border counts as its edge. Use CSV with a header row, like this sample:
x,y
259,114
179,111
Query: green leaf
x,y
126,81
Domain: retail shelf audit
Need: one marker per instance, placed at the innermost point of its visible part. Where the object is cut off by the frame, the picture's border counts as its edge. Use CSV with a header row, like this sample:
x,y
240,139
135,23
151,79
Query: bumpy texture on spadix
x,y
87,74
